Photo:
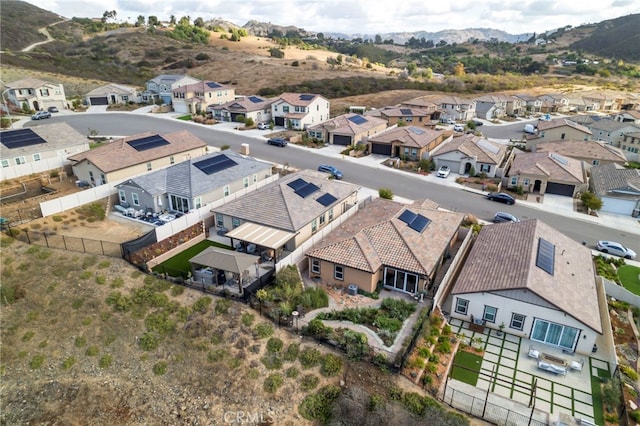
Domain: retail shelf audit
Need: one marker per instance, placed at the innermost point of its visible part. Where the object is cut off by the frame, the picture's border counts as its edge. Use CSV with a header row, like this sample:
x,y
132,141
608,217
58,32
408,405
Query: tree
x,y
412,68
458,69
591,201
109,14
140,21
378,39
152,21
198,22
185,20
172,20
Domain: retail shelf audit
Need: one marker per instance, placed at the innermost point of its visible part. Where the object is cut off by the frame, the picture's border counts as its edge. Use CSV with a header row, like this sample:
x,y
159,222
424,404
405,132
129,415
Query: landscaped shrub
x,y
222,306
331,365
247,319
386,193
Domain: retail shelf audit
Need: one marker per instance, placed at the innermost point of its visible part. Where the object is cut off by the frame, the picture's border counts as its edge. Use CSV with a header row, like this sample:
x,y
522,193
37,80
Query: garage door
x,y
341,140
560,189
454,166
99,100
279,121
381,148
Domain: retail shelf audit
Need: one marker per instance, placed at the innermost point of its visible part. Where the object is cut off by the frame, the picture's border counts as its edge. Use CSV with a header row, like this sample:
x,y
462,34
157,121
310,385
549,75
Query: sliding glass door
x,y
400,280
554,334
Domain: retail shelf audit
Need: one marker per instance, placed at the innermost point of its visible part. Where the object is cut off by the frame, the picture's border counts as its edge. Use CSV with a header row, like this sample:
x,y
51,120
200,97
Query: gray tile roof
x,y
609,125
375,237
277,205
503,258
186,180
57,136
560,122
475,147
614,178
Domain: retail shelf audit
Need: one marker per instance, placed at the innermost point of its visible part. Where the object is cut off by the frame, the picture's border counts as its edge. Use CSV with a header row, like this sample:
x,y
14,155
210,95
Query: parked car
x,y
458,128
337,174
263,126
529,128
448,120
52,109
504,217
477,122
443,172
277,142
617,249
501,197
41,115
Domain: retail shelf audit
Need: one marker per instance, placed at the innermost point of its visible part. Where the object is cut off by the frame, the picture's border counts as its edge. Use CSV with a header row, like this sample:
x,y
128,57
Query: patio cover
x,y
225,260
261,235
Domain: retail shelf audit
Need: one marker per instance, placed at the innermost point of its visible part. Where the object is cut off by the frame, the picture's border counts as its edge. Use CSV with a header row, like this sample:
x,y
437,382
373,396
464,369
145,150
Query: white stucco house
x,y
299,110
618,188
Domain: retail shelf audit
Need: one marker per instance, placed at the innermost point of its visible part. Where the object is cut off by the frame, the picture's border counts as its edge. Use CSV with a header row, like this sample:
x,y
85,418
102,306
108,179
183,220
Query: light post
x,y
295,315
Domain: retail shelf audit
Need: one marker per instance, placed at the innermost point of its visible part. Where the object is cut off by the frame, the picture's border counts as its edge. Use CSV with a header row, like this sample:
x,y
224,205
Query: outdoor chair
x,y
577,365
533,353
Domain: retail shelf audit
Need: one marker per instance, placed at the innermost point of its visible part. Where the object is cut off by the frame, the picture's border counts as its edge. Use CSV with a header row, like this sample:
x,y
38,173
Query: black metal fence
x,y
83,245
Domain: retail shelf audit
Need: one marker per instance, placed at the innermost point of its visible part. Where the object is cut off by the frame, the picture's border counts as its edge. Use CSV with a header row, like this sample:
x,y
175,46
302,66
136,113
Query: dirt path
x,y
44,32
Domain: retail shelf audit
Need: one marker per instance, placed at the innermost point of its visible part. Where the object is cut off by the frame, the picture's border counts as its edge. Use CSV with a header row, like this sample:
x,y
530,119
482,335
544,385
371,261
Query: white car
x,y
263,126
458,128
443,171
617,249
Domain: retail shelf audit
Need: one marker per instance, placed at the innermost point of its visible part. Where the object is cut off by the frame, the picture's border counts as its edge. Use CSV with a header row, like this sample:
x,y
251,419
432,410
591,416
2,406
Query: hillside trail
x,y
44,32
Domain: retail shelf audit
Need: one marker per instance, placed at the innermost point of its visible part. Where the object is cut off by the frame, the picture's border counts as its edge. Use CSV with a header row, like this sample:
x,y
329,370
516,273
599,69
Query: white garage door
x,y
617,206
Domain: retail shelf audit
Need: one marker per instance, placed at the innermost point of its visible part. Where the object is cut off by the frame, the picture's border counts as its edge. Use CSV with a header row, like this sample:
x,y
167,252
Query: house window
x,y
595,162
5,163
44,92
122,196
226,190
517,321
554,334
514,180
322,219
314,225
235,222
490,313
20,160
197,202
406,151
462,306
148,167
255,178
285,109
315,266
562,136
36,157
485,168
136,200
91,178
246,182
330,214
172,160
103,180
525,182
338,272
219,219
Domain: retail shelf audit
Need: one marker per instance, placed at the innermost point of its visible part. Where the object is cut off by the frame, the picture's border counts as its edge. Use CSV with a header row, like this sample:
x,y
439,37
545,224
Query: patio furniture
x,y
251,248
533,353
476,324
552,368
577,365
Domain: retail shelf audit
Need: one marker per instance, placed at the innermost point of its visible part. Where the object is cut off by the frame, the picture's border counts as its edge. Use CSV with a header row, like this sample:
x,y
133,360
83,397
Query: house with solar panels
x,y
299,110
535,281
407,115
198,97
347,129
282,215
255,107
413,142
464,153
39,149
548,173
160,88
135,155
401,246
193,183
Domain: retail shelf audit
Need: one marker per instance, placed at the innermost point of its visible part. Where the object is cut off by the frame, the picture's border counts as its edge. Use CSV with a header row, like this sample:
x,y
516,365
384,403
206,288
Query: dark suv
x,y
277,142
501,197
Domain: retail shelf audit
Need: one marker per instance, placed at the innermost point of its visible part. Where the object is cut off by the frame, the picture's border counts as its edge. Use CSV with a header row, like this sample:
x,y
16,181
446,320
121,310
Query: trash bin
x,y
352,290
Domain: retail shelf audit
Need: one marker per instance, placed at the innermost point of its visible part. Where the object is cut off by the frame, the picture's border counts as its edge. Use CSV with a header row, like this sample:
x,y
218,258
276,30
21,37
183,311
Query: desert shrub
x,y
274,344
77,303
309,382
160,368
310,357
92,351
11,293
247,319
276,53
68,363
272,361
101,280
222,306
176,290
105,361
149,341
160,322
629,372
201,305
386,193
117,282
217,355
80,342
331,365
318,406
292,351
253,373
28,336
202,57
292,372
273,383
376,402
263,330
36,362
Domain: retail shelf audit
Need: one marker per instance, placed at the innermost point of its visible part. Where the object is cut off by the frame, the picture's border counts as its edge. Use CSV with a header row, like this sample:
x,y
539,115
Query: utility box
x,y
244,149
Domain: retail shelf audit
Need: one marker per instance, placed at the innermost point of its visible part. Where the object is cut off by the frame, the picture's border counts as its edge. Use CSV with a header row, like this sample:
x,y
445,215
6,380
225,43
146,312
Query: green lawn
x,y
630,277
185,117
596,396
180,262
466,367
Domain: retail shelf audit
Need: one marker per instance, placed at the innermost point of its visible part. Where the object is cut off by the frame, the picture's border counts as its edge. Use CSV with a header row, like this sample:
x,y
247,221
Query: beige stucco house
x,y
464,153
347,129
36,94
135,155
197,97
547,173
556,130
411,142
256,108
112,93
592,153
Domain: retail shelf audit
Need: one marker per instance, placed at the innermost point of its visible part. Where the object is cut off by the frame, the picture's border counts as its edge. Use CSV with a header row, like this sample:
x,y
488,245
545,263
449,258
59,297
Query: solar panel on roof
x,y
326,200
297,184
419,223
149,142
407,216
416,130
405,111
546,256
20,138
358,119
307,190
213,85
306,97
215,164
255,99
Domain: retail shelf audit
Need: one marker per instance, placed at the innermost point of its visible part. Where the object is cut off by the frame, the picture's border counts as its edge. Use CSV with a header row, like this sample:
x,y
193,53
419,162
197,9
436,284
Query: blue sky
x,y
365,16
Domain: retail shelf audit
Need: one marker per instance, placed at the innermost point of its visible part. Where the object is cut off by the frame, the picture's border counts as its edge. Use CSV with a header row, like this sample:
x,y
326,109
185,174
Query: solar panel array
x,y
20,138
488,146
306,97
357,119
255,99
416,130
307,190
405,111
326,200
215,164
546,256
213,85
297,184
415,221
149,142
559,158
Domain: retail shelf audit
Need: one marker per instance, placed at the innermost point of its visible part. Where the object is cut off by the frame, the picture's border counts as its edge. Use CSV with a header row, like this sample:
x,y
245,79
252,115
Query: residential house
x,y
593,153
113,94
618,188
577,103
491,107
535,282
470,153
611,131
401,246
411,142
558,129
161,88
554,102
631,143
631,116
406,115
256,108
284,214
346,129
193,183
135,155
605,102
423,103
547,173
299,110
531,104
38,149
197,97
631,102
455,108
35,94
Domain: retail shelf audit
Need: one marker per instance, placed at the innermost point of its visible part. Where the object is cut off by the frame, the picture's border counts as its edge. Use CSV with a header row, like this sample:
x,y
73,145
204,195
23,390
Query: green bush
x,y
292,351
272,361
160,368
80,342
385,193
105,361
273,383
149,341
310,357
36,362
222,306
247,319
263,330
331,365
217,355
318,406
11,293
201,305
92,351
309,382
274,344
68,363
292,372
